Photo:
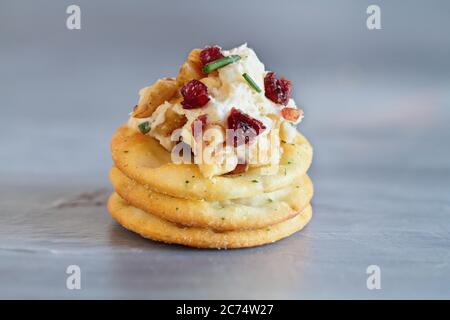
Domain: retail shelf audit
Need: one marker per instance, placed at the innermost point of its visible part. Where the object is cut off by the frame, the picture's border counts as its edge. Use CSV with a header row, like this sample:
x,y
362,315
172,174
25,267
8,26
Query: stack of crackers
x,y
175,203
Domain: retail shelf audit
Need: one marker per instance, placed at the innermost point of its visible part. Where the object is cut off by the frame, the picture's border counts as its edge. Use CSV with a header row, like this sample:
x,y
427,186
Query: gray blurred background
x,y
377,110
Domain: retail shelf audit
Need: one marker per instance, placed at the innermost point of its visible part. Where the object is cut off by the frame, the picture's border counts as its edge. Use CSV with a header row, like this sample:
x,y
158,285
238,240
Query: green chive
x,y
219,63
255,181
251,82
144,127
270,200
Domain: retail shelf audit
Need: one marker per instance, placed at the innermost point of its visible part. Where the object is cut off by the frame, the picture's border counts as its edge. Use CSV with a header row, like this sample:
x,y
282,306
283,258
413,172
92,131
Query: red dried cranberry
x,y
195,94
277,90
249,126
210,54
198,125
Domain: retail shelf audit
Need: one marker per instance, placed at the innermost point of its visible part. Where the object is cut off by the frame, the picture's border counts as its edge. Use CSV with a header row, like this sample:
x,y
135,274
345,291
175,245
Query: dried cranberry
x,y
195,94
240,168
249,126
210,54
277,90
198,125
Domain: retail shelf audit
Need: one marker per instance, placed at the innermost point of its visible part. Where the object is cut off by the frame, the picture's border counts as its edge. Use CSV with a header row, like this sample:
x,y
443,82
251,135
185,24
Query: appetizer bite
x,y
212,158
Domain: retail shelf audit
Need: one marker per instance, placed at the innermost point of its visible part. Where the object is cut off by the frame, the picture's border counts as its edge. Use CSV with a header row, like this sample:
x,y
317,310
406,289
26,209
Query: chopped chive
x,y
223,218
255,181
219,63
270,200
144,127
251,82
187,181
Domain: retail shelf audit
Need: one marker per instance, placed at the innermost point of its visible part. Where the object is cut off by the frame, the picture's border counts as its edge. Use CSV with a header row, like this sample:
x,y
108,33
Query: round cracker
x,y
155,228
143,159
239,214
